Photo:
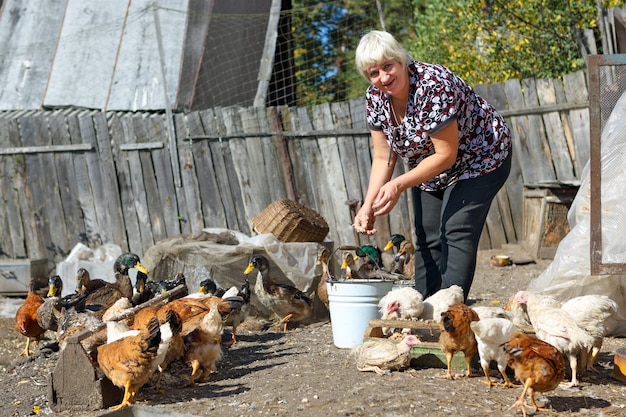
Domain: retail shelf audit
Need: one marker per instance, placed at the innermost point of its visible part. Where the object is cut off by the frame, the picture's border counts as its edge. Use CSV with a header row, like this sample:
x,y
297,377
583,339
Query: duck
x,y
85,284
323,256
373,266
404,259
143,290
49,312
101,298
348,266
238,315
284,300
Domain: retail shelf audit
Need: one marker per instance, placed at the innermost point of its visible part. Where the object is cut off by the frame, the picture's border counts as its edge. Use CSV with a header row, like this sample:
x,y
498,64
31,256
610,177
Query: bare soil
x,y
301,372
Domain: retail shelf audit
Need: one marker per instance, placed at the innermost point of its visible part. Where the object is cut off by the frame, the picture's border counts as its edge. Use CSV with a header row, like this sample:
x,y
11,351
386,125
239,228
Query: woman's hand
x,y
364,221
386,199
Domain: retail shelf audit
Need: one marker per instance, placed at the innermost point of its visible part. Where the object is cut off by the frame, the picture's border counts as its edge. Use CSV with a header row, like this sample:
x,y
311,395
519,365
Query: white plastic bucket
x,y
352,304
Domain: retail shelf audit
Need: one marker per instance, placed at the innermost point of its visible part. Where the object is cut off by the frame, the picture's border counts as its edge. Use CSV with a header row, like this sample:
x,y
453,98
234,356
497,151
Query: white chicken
x,y
556,327
593,313
440,301
383,355
491,333
518,313
486,312
402,303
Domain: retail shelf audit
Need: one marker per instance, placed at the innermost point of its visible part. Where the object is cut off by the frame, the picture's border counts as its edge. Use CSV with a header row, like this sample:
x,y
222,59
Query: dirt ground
x,y
301,372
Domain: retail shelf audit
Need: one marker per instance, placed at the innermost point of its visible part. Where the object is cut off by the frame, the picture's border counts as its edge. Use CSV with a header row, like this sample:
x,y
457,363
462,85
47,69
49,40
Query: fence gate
x,y
607,87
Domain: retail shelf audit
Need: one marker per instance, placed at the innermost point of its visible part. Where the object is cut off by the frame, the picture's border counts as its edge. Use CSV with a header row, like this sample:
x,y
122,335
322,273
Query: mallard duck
x,y
238,315
395,241
348,266
405,259
104,297
166,285
286,301
373,258
144,290
85,284
323,256
50,311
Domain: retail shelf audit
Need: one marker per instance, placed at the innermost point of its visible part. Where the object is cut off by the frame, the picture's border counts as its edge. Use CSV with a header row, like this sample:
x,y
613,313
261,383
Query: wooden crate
x,y
16,275
545,217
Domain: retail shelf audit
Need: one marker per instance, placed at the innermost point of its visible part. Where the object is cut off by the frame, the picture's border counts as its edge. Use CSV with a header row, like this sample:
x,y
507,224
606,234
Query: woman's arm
x,y
446,143
380,174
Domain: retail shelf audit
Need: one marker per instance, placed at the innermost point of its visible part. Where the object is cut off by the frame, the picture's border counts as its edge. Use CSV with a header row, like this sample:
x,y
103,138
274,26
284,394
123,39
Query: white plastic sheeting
x,y
568,275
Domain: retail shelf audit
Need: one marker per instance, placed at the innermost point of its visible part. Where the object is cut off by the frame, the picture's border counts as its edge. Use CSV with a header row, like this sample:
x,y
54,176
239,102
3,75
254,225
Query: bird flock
x,y
133,339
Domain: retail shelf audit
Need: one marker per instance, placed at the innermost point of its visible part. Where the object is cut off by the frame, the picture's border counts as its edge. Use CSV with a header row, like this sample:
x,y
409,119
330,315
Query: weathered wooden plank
x,y
248,162
84,194
96,177
261,151
227,190
334,192
137,83
11,171
139,197
576,91
81,76
539,154
68,187
188,194
131,222
212,207
39,241
29,33
110,184
144,131
554,129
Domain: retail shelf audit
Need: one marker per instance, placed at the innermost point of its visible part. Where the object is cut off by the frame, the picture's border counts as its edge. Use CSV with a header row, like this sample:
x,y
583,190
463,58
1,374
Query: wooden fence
x,y
75,175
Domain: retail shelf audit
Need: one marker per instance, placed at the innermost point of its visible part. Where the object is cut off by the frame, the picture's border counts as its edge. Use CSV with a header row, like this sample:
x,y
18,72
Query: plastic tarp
x,y
568,275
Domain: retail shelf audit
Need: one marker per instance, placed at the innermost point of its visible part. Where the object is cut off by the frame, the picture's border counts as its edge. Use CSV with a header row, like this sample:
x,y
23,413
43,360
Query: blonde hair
x,y
375,47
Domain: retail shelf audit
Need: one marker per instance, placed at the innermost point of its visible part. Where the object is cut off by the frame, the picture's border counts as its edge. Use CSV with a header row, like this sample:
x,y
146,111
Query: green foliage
x,y
496,40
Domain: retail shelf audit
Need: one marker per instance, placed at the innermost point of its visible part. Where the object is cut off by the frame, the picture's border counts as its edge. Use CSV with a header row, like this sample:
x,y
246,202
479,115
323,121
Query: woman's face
x,y
389,77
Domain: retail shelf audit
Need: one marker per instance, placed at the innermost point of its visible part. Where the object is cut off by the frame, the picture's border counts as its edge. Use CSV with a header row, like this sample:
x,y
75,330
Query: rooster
x,y
537,364
457,336
129,362
490,334
556,327
383,355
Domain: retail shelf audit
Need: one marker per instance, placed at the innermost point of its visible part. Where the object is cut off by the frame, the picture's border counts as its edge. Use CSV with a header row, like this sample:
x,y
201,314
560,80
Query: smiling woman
x,y
457,148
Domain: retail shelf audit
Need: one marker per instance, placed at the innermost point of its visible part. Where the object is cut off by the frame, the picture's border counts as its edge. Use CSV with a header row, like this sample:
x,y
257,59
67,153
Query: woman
x,y
457,148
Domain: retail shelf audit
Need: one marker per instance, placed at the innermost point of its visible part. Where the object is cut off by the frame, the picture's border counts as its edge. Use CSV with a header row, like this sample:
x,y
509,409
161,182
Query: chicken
x,y
203,346
172,345
383,355
518,312
284,300
238,315
491,333
486,312
537,364
26,319
129,362
118,308
440,301
323,256
556,327
402,303
457,336
72,323
592,313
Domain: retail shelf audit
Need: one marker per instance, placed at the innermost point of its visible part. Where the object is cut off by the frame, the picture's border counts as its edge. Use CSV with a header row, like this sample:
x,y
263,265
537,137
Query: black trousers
x,y
448,225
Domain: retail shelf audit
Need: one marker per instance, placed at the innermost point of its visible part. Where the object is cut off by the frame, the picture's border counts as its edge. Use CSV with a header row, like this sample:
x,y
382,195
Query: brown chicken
x,y
203,346
26,319
537,364
129,362
457,335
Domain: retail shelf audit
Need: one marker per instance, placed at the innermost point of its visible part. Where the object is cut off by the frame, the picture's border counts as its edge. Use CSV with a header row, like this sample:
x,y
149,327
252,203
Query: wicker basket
x,y
290,221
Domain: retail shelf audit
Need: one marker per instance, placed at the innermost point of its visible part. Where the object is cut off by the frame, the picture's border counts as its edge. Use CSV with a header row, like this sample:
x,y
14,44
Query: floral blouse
x,y
436,97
